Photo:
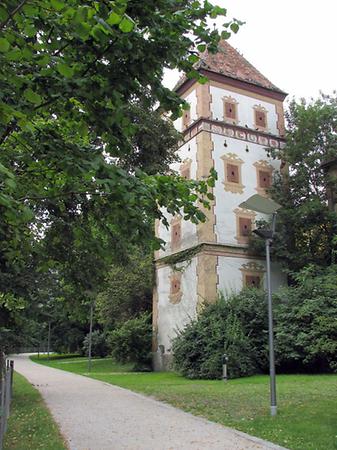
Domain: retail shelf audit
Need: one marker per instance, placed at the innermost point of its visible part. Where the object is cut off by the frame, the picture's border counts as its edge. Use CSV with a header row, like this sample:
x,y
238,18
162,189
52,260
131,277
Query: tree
x,y
236,326
127,290
305,329
306,227
131,342
73,74
305,322
80,112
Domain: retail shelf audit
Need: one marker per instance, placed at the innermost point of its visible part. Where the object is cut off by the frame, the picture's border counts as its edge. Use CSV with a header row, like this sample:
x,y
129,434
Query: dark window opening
x,y
245,226
253,281
230,110
260,119
232,173
264,179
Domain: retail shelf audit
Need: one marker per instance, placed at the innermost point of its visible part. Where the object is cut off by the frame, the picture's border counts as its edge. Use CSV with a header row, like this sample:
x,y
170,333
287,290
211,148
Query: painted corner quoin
x,y
232,120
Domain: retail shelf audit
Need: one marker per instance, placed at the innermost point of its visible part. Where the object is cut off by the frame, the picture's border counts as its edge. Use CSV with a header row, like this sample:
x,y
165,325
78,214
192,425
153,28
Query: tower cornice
x,y
185,84
233,131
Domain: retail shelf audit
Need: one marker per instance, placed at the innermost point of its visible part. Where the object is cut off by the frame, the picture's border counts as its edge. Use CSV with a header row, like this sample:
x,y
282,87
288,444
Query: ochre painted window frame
x,y
231,159
259,109
242,213
176,225
186,119
175,287
252,270
185,168
233,119
263,166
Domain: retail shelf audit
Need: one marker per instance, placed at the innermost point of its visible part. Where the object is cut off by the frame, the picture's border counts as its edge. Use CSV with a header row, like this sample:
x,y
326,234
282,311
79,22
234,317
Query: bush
x,y
306,322
131,341
236,326
99,346
305,327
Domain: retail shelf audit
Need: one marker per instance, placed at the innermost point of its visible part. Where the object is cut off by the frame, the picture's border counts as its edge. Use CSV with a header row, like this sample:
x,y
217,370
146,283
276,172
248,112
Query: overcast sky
x,y
291,42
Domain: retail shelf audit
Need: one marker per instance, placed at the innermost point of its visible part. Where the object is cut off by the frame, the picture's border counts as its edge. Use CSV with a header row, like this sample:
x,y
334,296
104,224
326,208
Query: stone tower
x,y
232,119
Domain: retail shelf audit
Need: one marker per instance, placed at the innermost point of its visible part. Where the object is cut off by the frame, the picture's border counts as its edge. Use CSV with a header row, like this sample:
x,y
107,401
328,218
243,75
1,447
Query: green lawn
x,y
30,425
307,416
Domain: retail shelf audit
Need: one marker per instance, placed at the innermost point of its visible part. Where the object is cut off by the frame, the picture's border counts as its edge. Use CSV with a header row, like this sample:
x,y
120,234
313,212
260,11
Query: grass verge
x,y
307,404
30,425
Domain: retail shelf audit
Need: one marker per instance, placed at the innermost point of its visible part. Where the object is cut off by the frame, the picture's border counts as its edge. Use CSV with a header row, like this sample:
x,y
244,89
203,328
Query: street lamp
x,y
267,206
90,334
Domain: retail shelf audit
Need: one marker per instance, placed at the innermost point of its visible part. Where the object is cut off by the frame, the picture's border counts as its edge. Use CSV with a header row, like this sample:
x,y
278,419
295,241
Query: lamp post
x,y
90,334
48,341
267,206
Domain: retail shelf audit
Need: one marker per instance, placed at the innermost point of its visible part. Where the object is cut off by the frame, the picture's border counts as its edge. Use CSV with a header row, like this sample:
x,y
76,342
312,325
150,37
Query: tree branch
x,y
63,194
10,128
12,14
100,55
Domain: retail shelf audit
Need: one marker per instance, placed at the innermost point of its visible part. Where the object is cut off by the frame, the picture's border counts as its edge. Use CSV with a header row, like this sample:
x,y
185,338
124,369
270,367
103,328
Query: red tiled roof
x,y
230,63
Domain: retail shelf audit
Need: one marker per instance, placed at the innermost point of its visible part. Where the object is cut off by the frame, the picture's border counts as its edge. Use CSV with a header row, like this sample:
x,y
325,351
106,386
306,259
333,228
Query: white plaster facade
x,y
174,317
245,106
221,260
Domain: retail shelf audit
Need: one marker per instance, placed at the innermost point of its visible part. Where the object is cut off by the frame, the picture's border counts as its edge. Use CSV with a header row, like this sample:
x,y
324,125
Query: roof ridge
x,y
230,62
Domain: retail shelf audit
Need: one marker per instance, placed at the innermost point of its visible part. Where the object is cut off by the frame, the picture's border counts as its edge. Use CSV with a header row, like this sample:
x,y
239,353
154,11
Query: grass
x,y
307,404
77,364
30,426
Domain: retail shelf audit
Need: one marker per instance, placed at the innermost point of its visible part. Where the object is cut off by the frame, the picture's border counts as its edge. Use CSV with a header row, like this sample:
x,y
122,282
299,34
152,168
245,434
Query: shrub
x,y
235,326
305,328
99,345
131,341
306,322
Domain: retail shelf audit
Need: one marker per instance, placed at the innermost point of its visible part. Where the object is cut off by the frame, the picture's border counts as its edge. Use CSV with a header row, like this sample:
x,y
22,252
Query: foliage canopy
x,y
84,145
306,226
305,330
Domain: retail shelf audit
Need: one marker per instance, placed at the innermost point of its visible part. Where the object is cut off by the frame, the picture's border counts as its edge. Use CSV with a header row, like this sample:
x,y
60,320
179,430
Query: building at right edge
x,y
233,119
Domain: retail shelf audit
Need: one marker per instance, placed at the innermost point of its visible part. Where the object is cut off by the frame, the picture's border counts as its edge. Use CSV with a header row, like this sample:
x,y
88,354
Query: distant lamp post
x,y
90,335
48,342
267,206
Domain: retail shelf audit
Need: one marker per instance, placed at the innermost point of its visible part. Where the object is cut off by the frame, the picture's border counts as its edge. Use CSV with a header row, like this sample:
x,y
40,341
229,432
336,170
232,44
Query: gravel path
x,y
94,415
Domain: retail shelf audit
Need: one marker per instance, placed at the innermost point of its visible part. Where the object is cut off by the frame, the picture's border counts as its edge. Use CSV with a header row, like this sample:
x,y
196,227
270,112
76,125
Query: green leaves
x,y
234,27
217,11
4,45
30,10
201,47
65,70
32,96
127,24
3,13
79,82
58,5
113,18
306,226
225,35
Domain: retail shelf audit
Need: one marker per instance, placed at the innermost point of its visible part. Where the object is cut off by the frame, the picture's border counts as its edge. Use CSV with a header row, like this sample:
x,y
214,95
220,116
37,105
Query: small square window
x,y
264,179
186,118
245,226
175,285
175,235
230,110
232,173
260,119
252,281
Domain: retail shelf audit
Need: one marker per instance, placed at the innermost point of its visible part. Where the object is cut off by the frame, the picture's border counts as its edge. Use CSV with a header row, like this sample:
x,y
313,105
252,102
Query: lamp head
x,y
260,204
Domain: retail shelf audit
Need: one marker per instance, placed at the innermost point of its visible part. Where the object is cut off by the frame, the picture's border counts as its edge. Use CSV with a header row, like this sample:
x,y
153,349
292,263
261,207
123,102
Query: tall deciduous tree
x,y
306,226
73,74
81,168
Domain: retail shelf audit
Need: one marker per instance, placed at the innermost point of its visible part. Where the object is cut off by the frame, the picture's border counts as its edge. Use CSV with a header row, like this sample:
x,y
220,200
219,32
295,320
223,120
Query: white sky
x,y
292,42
